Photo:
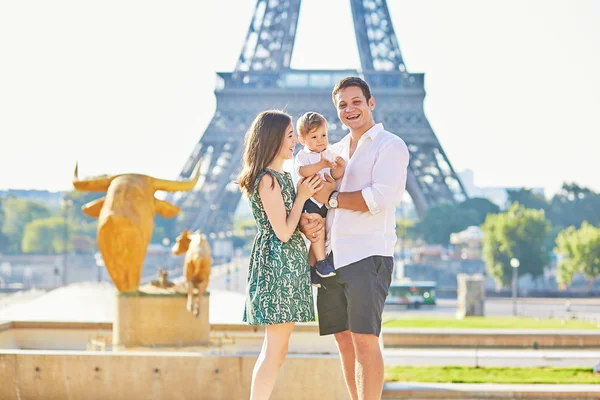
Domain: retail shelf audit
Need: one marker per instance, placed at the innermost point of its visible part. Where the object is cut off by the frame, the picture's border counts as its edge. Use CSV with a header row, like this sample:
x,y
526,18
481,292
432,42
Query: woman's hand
x,y
311,225
309,186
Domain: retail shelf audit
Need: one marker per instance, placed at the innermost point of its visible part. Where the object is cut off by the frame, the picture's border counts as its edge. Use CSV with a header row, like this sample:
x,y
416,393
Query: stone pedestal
x,y
148,320
471,295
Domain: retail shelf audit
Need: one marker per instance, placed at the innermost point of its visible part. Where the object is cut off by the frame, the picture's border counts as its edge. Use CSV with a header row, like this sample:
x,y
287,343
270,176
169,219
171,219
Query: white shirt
x,y
378,169
308,157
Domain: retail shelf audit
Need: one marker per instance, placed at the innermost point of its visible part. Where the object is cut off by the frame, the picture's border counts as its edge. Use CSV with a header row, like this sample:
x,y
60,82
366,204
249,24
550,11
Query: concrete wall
x,y
51,335
240,338
412,337
224,338
80,375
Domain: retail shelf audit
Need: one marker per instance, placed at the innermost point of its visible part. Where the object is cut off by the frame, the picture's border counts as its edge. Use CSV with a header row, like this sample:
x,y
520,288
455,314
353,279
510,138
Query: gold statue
x,y
163,281
196,266
126,219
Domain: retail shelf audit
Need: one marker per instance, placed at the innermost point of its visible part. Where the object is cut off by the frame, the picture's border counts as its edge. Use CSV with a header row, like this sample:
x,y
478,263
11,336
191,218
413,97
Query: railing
x,y
315,79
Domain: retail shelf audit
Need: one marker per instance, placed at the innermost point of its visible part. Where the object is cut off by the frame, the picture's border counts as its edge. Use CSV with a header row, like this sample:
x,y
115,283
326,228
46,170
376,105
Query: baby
x,y
316,158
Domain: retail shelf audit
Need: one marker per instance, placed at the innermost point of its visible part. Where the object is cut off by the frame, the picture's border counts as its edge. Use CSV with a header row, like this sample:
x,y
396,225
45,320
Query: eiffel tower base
x,y
150,320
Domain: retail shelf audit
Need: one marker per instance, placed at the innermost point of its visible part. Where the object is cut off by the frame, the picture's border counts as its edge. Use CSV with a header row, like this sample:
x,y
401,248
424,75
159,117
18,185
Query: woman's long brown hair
x,y
261,146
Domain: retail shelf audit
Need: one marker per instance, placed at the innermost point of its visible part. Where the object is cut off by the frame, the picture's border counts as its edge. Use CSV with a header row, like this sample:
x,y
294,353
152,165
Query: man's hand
x,y
311,225
322,196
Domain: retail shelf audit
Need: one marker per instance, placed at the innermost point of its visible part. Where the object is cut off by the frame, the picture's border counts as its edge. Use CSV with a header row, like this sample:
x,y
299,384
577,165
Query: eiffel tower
x,y
263,79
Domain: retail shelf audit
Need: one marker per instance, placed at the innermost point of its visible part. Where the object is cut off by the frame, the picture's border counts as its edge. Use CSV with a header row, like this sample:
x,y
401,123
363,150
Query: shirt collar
x,y
371,133
374,131
306,149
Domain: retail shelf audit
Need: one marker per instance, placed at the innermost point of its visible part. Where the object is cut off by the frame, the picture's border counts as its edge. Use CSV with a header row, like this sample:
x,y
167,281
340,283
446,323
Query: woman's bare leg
x,y
266,369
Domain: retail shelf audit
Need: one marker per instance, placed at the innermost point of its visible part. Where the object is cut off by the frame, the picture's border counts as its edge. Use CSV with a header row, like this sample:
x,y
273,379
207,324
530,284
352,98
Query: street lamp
x,y
514,263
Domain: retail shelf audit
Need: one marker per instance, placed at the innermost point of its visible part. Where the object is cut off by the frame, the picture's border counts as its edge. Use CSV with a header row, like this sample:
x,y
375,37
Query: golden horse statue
x,y
196,266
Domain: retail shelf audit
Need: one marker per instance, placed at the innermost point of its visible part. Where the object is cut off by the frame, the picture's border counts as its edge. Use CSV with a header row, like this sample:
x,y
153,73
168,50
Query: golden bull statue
x,y
196,266
126,219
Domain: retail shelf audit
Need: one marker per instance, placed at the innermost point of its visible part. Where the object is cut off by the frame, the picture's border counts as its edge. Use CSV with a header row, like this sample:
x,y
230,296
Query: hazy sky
x,y
513,86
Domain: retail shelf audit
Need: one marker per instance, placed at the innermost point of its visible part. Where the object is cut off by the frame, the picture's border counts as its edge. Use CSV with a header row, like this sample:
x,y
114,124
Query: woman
x,y
278,293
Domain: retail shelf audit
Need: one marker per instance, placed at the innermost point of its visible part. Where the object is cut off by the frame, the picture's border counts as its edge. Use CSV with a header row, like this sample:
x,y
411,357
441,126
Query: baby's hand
x,y
339,162
325,163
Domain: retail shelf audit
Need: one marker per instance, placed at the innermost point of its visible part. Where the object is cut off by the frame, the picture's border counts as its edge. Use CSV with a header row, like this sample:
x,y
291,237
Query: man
x,y
360,237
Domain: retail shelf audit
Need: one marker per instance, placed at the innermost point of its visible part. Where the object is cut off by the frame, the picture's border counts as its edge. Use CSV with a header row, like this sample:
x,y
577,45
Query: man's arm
x,y
389,178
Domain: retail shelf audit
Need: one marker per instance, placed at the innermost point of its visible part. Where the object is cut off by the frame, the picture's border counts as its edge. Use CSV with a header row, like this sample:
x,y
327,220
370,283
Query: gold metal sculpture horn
x,y
91,185
176,186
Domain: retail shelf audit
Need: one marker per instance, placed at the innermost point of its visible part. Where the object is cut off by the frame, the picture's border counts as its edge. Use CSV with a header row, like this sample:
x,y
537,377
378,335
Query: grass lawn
x,y
491,375
489,323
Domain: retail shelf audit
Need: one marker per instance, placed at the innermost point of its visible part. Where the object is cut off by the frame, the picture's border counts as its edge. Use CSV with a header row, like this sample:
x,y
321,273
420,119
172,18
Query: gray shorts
x,y
354,298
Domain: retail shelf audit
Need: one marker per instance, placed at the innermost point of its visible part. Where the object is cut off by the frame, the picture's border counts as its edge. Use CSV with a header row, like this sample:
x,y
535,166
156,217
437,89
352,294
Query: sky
x,y
513,89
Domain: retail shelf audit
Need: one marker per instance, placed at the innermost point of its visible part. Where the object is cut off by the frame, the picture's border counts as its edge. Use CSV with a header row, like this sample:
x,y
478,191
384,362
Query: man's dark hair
x,y
349,82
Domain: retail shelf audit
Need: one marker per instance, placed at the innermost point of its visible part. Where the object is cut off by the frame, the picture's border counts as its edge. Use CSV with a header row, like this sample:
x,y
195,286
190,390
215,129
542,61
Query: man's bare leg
x,y
369,366
348,356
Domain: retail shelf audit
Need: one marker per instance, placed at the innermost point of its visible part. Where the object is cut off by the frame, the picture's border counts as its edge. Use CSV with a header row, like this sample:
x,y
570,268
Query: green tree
x,y
87,225
441,221
19,213
482,206
517,233
4,241
45,236
574,204
579,250
528,199
81,226
405,229
2,215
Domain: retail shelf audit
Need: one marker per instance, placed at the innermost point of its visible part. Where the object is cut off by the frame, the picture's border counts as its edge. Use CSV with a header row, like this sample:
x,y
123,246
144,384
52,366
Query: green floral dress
x,y
278,288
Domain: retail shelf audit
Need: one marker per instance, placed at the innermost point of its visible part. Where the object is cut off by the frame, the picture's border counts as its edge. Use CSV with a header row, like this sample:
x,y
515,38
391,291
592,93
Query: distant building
x,y
467,244
495,194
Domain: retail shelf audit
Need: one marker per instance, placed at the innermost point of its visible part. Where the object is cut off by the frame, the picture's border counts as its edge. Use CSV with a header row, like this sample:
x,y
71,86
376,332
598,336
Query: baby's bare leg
x,y
319,248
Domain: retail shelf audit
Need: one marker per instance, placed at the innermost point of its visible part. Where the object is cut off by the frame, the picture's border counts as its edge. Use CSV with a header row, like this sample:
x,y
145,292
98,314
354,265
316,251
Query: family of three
x,y
345,206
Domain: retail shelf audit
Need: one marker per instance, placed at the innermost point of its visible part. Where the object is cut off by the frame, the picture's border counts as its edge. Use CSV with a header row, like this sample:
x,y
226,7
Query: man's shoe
x,y
314,278
324,269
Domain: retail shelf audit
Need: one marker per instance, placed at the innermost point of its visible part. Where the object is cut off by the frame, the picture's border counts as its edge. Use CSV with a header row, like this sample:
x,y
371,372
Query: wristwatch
x,y
333,202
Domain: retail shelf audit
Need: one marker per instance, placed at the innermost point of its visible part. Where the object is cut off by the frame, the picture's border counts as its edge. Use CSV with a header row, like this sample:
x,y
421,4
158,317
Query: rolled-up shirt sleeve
x,y
389,177
300,161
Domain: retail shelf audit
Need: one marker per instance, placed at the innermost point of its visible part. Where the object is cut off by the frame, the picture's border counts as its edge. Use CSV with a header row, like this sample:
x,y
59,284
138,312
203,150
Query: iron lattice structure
x,y
263,80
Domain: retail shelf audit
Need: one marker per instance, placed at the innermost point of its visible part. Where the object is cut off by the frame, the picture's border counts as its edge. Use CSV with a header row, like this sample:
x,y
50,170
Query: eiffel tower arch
x,y
262,79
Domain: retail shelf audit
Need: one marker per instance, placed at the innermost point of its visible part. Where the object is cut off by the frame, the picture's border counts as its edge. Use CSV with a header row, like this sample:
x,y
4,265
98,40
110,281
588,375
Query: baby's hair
x,y
309,122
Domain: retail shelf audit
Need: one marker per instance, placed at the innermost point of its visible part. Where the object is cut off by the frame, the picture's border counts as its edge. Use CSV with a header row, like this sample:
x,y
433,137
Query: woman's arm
x,y
272,199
